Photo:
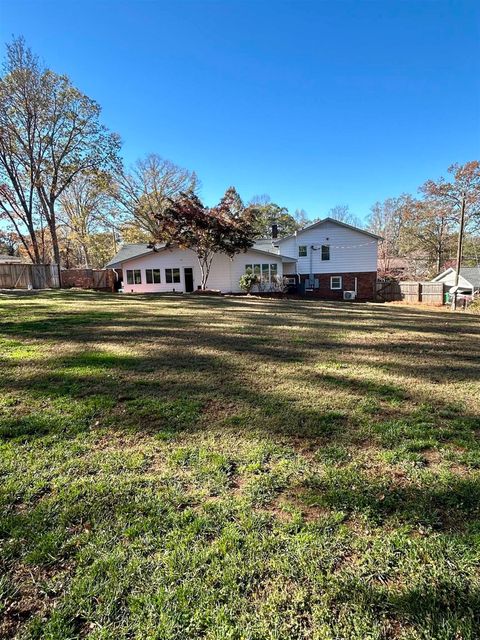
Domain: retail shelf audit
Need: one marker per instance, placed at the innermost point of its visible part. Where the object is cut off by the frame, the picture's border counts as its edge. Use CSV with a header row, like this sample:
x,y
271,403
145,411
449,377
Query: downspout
x,y
311,276
296,263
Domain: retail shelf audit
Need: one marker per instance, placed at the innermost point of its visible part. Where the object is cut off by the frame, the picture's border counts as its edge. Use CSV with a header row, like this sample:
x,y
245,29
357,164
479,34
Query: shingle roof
x,y
472,274
127,252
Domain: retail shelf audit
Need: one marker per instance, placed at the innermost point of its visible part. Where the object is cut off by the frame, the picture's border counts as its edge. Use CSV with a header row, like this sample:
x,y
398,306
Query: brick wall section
x,y
86,279
366,282
80,278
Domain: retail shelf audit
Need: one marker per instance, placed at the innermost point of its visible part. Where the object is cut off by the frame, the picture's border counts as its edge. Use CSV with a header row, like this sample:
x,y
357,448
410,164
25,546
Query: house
x,y
415,267
334,260
468,280
327,259
162,269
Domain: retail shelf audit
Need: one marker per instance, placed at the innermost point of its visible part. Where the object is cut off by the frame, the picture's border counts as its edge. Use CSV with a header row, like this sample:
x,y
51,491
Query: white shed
x,y
468,279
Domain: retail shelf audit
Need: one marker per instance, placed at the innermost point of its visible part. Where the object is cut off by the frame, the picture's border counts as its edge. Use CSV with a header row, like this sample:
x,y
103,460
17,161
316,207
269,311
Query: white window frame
x,y
274,272
265,275
340,280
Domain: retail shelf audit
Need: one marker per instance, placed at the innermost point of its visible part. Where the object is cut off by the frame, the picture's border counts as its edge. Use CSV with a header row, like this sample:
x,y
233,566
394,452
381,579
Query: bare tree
x,y
342,213
427,228
147,191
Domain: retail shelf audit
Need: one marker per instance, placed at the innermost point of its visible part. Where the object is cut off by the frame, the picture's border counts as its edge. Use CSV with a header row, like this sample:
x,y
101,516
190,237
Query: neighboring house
x,y
333,259
468,280
148,270
411,268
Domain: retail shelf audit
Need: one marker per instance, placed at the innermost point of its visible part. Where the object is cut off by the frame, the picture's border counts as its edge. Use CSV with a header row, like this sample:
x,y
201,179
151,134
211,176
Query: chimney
x,y
274,231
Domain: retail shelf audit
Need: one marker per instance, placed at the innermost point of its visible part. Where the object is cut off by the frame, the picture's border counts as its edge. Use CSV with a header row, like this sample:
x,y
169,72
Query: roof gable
x,y
469,274
127,252
332,220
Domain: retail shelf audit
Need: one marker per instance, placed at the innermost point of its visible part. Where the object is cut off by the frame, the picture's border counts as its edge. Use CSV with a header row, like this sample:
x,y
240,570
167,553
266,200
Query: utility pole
x,y
459,252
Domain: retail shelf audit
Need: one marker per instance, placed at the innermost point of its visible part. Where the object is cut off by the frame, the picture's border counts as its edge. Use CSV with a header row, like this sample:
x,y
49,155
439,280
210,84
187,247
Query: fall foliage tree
x,y
227,228
50,133
9,242
427,228
464,186
87,210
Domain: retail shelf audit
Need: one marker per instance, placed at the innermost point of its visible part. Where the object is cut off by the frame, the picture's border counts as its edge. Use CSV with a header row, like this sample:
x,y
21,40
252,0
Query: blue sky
x,y
314,103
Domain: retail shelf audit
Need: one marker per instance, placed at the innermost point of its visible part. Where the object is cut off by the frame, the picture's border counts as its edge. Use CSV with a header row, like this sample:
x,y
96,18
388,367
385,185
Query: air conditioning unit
x,y
349,295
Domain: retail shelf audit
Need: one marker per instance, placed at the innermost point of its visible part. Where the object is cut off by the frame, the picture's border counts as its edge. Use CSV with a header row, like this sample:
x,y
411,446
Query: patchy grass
x,y
231,468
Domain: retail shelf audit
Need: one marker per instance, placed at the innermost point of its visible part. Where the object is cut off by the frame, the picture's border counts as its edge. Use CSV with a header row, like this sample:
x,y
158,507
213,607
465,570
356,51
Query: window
x,y
336,282
172,275
302,251
152,276
266,272
134,276
273,272
325,252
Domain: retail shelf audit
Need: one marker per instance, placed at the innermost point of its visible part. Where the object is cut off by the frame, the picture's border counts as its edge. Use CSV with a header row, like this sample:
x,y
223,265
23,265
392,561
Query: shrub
x,y
475,306
248,281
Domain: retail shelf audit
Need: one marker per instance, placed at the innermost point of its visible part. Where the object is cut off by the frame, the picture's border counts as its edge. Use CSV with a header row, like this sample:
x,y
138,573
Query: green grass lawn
x,y
231,468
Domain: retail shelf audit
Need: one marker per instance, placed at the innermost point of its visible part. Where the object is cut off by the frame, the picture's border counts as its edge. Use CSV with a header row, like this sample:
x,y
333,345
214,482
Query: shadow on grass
x,y
316,381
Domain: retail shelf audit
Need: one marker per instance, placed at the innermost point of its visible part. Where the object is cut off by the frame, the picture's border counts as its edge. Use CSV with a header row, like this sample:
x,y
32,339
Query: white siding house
x,y
326,259
145,270
332,257
468,279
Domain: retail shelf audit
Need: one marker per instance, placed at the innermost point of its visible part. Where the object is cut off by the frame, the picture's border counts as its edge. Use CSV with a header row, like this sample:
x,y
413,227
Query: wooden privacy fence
x,y
29,276
100,279
426,292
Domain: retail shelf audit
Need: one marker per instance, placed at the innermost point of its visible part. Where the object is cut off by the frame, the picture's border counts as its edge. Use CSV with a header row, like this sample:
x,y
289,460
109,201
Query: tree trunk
x,y
53,234
205,263
36,251
86,255
439,259
52,227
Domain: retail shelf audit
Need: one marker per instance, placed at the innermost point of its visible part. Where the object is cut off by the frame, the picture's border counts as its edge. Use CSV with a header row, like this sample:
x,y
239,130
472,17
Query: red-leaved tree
x,y
227,228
